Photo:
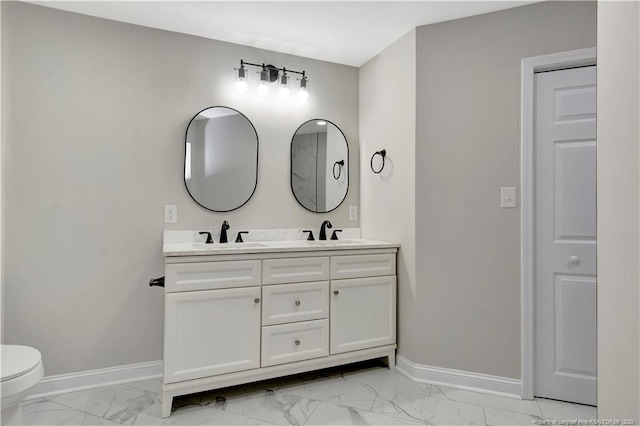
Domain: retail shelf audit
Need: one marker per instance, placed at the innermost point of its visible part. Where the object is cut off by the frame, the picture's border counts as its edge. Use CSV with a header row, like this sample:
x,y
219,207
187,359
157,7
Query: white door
x,y
363,313
211,332
565,236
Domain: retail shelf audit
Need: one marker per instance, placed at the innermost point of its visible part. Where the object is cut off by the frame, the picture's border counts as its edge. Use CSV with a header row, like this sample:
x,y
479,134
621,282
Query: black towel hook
x,y
340,165
381,153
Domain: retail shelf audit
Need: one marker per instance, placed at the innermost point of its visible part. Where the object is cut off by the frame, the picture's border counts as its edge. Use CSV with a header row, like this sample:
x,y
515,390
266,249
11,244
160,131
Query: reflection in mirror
x,y
319,166
221,159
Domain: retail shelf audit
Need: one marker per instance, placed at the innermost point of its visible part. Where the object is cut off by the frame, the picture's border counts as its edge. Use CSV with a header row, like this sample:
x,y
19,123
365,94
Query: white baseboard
x,y
63,383
476,382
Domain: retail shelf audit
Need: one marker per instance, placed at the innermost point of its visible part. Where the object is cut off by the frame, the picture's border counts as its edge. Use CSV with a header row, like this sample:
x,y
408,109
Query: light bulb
x,y
241,85
263,89
241,81
303,94
284,85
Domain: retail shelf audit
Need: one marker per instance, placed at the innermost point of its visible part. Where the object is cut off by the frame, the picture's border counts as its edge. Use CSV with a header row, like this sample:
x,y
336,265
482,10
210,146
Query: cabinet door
x,y
211,332
363,313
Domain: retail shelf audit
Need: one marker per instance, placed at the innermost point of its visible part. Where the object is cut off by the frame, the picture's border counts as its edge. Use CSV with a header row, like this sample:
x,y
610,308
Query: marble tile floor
x,y
360,394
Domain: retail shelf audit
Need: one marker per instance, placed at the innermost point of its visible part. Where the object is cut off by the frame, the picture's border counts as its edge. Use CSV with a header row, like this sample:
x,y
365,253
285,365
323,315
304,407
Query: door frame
x,y
552,62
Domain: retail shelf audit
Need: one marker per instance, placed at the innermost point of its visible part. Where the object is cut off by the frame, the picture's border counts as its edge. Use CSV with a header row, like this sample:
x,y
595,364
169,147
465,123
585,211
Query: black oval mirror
x,y
319,166
221,159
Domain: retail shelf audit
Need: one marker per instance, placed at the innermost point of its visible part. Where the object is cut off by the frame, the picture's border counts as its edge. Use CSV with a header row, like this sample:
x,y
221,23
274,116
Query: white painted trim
x,y
63,383
457,379
1,207
530,66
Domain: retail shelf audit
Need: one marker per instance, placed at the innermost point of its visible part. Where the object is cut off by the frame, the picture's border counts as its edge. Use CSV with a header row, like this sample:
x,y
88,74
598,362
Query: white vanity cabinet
x,y
363,313
212,318
237,318
211,332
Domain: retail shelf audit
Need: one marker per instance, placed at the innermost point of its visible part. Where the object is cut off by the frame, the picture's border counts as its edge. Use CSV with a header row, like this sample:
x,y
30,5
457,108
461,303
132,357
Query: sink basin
x,y
203,246
306,243
337,242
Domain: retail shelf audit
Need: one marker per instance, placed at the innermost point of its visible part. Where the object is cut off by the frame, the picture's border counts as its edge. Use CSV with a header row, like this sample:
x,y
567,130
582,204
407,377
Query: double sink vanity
x,y
242,312
276,303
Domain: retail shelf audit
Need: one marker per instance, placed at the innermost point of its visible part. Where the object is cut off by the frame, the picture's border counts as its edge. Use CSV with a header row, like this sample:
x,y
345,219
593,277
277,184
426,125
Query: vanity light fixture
x,y
270,74
321,123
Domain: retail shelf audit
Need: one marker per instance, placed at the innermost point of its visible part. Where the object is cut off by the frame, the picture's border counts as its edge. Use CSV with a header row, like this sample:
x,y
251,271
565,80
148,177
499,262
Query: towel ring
x,y
340,165
383,154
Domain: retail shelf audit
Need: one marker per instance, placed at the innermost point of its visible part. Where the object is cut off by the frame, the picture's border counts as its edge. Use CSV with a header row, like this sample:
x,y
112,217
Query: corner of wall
x,y
387,121
618,202
1,189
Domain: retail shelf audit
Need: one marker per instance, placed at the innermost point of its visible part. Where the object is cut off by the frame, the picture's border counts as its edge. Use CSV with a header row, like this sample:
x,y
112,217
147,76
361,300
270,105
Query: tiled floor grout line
x,y
81,411
539,407
312,411
74,411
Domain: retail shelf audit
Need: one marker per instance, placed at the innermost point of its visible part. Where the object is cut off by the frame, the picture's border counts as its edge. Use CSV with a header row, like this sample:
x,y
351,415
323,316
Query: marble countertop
x,y
203,249
191,243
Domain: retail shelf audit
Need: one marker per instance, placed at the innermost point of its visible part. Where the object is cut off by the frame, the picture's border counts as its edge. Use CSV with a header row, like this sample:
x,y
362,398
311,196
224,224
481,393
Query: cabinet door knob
x,y
297,303
257,300
297,342
336,292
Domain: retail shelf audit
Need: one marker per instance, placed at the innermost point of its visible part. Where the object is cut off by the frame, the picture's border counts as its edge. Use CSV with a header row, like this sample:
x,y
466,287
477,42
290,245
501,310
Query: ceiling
x,y
345,32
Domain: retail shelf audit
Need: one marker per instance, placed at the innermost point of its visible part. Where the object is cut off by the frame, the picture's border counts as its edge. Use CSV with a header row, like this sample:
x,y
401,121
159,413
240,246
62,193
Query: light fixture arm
x,y
271,68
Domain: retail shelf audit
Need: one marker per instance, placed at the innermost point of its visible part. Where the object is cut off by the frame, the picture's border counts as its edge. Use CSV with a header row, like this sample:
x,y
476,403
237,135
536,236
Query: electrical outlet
x,y
507,198
353,212
170,214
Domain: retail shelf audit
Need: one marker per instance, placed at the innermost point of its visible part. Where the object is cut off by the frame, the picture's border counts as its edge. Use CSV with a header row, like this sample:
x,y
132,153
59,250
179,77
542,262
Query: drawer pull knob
x,y
336,292
297,303
297,342
257,300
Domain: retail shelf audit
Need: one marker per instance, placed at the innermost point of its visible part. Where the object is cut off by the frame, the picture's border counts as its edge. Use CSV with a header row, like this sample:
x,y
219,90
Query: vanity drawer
x,y
365,265
211,275
285,303
301,269
294,342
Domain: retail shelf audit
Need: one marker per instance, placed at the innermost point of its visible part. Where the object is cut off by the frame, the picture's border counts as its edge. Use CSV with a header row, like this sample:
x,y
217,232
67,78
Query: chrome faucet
x,y
323,229
223,232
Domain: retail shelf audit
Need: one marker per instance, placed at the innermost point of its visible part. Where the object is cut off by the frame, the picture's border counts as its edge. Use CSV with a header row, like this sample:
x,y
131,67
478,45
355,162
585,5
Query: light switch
x,y
353,212
507,197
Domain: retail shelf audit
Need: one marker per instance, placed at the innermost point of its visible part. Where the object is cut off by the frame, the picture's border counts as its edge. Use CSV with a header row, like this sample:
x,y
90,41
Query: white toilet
x,y
21,371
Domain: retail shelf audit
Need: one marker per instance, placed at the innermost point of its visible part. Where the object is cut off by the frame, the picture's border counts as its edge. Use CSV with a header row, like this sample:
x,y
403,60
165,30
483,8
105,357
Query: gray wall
x,y
467,147
94,118
388,121
618,210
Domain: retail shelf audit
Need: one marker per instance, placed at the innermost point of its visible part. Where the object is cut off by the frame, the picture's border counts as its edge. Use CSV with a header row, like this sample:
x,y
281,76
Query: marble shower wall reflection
x,y
304,171
319,166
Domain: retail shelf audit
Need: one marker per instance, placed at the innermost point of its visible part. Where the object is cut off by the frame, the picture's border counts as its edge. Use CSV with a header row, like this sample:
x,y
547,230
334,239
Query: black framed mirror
x,y
221,159
319,166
